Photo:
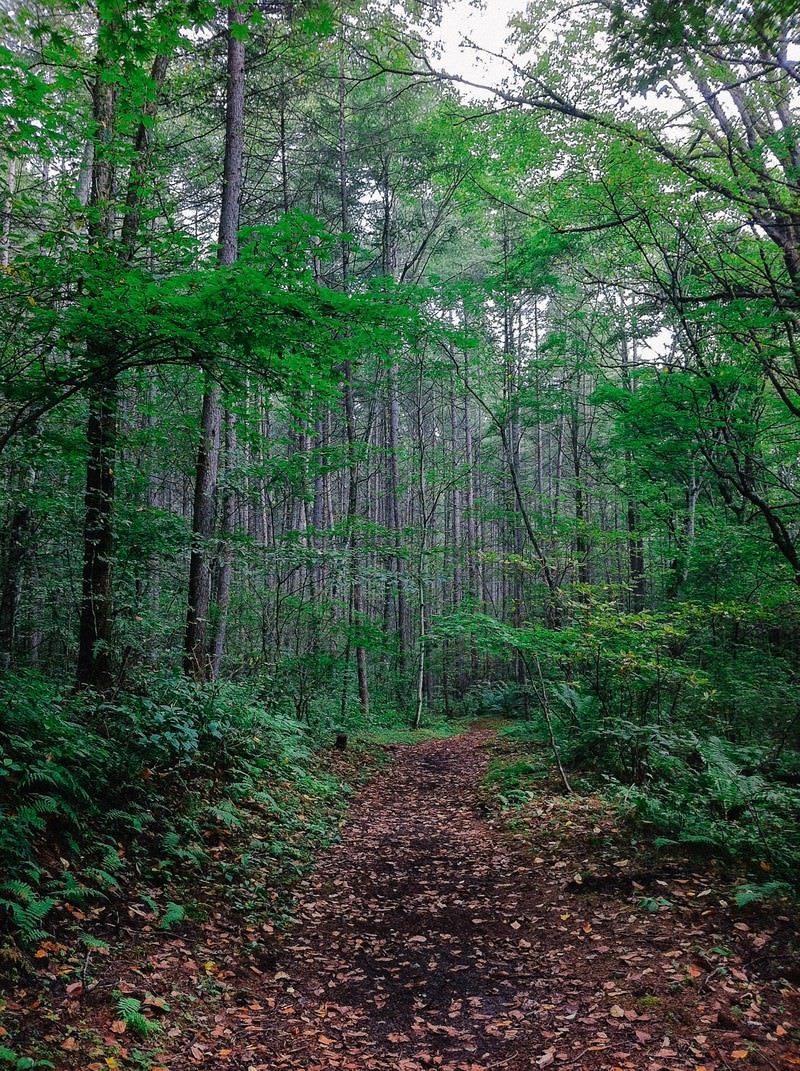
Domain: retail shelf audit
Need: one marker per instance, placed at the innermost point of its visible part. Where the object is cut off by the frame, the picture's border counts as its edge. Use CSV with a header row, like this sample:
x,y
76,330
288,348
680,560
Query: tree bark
x,y
636,562
94,667
199,661
15,548
356,599
225,572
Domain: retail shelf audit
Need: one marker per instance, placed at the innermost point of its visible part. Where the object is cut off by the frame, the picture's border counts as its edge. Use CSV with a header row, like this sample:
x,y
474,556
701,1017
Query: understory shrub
x,y
689,717
94,788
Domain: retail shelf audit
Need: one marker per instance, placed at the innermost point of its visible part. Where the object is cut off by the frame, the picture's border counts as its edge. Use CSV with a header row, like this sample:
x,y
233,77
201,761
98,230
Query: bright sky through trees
x,y
486,27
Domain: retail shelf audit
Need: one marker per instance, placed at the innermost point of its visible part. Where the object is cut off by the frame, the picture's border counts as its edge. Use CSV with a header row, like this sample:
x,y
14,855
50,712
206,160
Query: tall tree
x,y
95,662
199,661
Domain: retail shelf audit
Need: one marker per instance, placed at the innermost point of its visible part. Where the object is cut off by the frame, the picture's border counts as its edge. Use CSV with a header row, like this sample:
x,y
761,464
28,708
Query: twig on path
x,y
766,1059
85,974
709,976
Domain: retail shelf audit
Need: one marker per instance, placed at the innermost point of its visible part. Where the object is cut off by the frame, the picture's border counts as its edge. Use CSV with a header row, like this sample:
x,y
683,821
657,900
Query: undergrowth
x,y
687,718
101,797
100,794
696,797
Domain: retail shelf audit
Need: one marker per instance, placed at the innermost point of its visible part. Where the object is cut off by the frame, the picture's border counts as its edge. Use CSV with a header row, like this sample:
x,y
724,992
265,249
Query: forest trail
x,y
429,937
408,945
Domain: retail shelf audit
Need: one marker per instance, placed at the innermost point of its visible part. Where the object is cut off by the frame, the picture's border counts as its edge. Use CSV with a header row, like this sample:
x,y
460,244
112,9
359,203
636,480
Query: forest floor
x,y
433,936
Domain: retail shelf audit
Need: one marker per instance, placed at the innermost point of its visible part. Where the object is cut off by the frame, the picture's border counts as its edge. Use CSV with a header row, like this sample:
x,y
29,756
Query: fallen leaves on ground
x,y
430,937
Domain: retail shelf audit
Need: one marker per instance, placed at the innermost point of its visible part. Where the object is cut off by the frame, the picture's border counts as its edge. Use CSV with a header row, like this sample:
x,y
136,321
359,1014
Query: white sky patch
x,y
485,27
658,347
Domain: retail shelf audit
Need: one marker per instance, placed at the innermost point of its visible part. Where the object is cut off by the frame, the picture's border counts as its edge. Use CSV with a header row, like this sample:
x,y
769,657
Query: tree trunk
x,y
199,661
94,667
225,572
422,641
356,600
15,549
635,557
196,650
393,494
96,614
636,562
12,175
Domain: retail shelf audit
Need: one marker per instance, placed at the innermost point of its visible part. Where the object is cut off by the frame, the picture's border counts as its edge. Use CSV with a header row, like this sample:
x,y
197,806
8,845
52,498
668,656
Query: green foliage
x,y
129,1010
713,797
503,700
757,894
656,709
515,782
26,910
139,781
9,1058
173,914
654,903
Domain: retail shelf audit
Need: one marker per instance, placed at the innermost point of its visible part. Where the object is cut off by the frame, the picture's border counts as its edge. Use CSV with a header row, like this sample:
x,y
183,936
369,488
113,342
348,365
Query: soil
x,y
432,937
439,933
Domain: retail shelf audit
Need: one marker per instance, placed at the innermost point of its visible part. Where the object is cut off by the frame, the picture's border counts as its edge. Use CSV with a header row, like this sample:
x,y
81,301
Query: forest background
x,y
337,393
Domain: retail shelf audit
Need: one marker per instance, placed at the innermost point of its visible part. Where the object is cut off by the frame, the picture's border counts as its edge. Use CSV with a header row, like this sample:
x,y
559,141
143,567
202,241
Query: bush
x,y
688,717
90,786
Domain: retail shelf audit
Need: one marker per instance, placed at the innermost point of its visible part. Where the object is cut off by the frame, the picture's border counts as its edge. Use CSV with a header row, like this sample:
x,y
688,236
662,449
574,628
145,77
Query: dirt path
x,y
429,938
409,943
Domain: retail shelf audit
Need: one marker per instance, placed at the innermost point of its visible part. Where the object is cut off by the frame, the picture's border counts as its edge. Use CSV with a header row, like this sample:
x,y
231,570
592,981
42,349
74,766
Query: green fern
x,y
94,943
125,819
27,911
756,894
174,914
20,889
56,777
129,1010
74,891
225,813
101,877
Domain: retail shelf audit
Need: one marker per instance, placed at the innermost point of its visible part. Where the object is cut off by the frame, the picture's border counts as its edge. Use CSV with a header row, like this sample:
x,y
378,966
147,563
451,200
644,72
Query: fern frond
x,y
130,1012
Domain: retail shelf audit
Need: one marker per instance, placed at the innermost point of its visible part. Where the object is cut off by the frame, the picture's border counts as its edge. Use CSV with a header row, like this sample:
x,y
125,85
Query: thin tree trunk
x,y
635,552
94,667
15,551
96,615
356,601
12,176
423,682
636,562
422,639
196,655
540,688
581,541
225,572
393,481
198,661
473,569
